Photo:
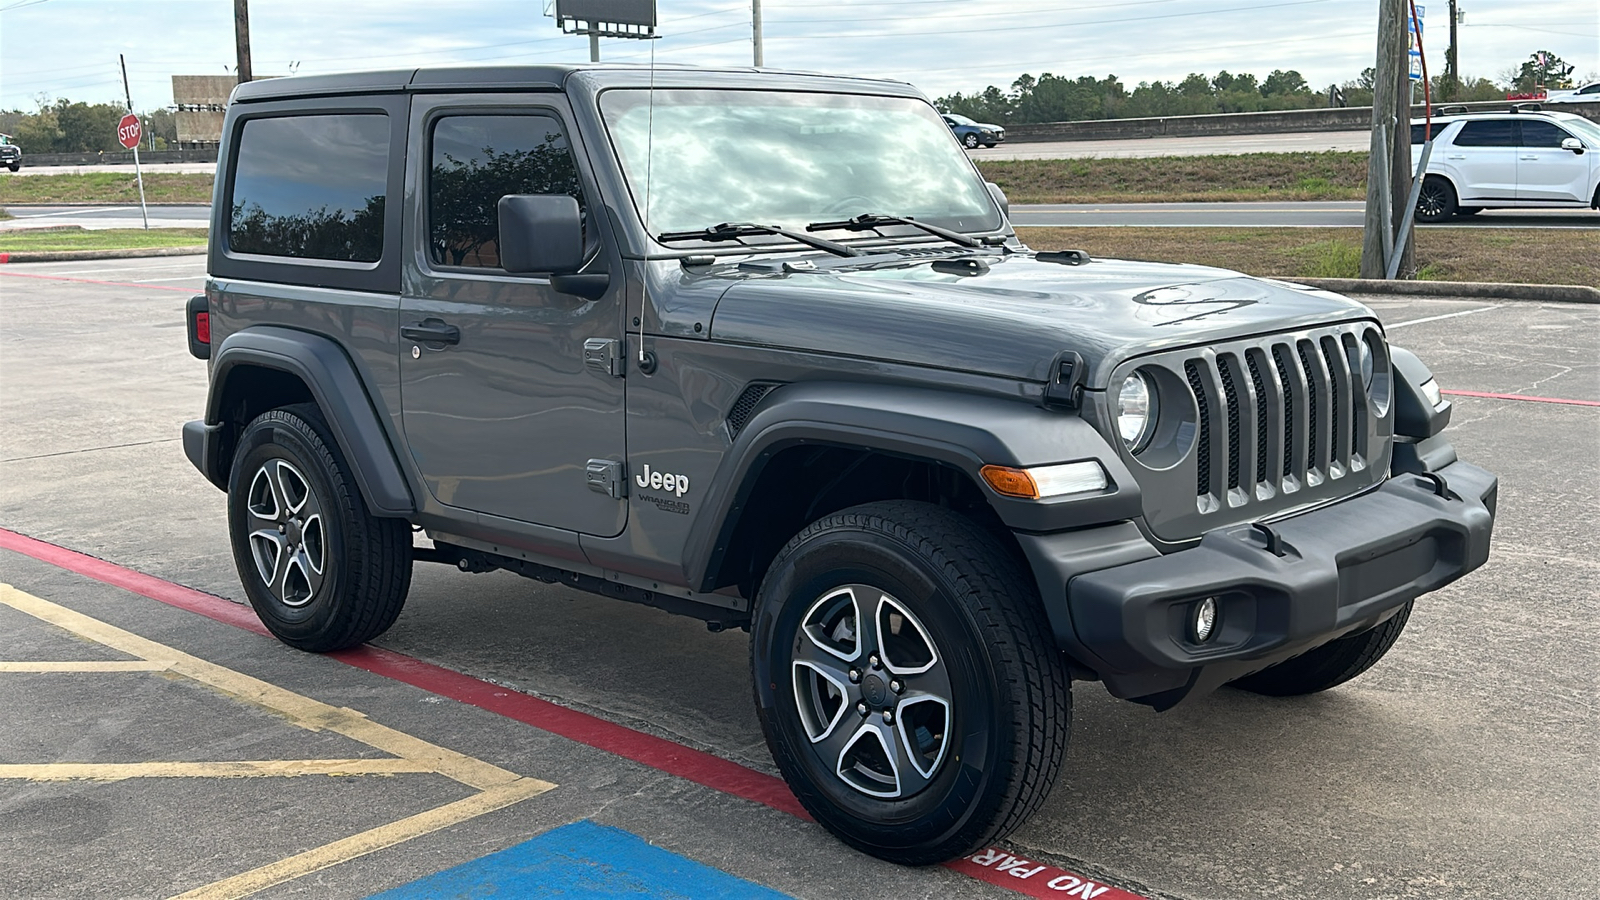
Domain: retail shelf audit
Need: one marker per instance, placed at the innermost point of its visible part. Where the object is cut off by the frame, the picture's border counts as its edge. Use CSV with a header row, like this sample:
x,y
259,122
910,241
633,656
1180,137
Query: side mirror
x,y
540,233
1573,144
999,197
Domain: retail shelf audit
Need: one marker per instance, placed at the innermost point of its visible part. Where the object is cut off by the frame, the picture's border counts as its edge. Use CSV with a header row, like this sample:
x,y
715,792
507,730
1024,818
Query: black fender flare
x,y
331,377
965,431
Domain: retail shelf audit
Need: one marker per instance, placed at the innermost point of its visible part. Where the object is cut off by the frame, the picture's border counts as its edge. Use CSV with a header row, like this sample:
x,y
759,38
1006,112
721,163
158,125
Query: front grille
x,y
1275,416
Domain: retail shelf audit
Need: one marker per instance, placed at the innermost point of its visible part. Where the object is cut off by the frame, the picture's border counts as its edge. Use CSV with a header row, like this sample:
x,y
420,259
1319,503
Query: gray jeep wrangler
x,y
762,348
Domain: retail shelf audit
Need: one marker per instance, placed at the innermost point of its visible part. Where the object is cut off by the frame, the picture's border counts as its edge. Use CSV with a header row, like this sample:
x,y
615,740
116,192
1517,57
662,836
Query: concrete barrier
x,y
120,157
1288,121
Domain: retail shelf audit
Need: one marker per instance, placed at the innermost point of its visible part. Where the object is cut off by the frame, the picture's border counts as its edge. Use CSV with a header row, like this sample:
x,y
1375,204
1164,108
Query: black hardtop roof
x,y
541,78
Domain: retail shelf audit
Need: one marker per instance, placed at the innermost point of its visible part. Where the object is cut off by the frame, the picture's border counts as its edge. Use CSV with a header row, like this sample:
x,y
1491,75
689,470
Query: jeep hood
x,y
1012,318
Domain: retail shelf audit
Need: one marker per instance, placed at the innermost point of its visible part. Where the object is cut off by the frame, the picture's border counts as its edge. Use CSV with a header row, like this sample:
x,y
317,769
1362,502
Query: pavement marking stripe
x,y
329,855
118,665
584,859
148,287
267,768
1465,312
675,759
1526,397
310,714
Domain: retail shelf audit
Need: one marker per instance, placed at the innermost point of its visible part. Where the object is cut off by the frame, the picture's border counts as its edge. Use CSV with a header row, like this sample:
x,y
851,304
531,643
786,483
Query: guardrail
x,y
1352,118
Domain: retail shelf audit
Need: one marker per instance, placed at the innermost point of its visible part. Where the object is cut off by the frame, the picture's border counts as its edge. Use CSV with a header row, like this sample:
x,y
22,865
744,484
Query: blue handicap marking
x,y
583,860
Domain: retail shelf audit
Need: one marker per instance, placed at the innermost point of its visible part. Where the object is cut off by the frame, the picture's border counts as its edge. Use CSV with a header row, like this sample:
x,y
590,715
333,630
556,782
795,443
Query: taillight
x,y
198,318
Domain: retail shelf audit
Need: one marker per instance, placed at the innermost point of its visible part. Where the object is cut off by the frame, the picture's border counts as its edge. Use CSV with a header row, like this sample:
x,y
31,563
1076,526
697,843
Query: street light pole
x,y
755,31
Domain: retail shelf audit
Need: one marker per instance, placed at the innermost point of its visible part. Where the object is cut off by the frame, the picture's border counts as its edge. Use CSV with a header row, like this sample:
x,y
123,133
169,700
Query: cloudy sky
x,y
68,48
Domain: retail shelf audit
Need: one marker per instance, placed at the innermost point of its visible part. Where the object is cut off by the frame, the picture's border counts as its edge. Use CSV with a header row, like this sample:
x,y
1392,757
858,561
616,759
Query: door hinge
x,y
605,355
606,476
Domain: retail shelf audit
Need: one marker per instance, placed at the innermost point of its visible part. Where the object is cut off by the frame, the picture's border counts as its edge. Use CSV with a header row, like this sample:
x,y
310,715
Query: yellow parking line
x,y
366,842
310,714
119,665
267,768
497,787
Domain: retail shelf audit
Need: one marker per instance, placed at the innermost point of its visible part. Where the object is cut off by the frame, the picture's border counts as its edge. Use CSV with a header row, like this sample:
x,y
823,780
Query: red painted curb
x,y
993,865
153,287
1526,397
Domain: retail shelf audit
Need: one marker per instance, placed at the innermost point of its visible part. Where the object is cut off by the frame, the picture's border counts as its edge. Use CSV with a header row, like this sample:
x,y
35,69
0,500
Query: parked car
x,y
971,134
1524,159
10,153
1589,93
808,384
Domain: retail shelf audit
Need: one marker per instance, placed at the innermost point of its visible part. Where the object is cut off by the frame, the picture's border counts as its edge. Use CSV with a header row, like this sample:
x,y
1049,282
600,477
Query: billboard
x,y
607,18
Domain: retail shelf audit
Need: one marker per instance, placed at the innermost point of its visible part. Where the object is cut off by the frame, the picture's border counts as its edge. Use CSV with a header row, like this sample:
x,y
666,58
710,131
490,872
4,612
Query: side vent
x,y
745,406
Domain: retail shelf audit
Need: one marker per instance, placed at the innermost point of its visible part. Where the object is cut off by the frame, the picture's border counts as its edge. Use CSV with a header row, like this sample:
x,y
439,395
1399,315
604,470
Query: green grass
x,y
108,239
106,187
1547,256
1254,176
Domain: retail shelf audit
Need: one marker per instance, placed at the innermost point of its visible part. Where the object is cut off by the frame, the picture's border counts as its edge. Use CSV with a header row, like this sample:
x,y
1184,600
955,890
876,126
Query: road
x,y
1328,214
1461,766
1218,145
24,217
1337,214
168,168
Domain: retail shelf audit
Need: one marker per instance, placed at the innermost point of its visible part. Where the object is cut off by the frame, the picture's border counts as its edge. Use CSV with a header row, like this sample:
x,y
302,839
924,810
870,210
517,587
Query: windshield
x,y
791,158
959,120
1589,131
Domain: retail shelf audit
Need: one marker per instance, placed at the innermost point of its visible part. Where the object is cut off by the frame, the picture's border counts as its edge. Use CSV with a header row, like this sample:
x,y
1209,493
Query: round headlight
x,y
1136,411
1366,363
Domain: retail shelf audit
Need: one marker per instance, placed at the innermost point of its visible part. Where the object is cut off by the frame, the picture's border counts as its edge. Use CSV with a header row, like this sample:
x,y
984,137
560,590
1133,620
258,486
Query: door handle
x,y
1535,156
431,331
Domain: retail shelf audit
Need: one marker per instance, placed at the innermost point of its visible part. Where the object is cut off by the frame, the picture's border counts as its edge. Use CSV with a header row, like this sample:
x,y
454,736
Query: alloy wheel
x,y
873,692
288,539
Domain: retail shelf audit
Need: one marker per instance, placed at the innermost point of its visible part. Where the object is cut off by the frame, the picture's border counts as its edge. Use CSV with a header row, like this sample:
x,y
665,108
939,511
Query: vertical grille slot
x,y
1226,371
1291,425
1316,425
1263,421
1341,399
1203,469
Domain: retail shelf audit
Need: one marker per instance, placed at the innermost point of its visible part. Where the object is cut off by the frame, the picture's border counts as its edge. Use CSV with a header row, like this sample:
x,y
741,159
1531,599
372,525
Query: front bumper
x,y
1335,570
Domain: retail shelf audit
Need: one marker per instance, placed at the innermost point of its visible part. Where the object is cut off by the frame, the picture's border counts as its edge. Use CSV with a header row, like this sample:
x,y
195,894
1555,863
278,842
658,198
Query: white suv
x,y
1528,159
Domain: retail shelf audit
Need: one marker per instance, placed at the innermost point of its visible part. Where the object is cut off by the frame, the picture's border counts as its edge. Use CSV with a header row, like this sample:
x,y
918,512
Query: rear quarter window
x,y
1487,133
311,187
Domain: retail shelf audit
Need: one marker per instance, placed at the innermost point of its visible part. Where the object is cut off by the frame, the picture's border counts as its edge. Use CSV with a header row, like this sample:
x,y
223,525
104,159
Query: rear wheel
x,y
1437,200
321,571
907,681
1330,665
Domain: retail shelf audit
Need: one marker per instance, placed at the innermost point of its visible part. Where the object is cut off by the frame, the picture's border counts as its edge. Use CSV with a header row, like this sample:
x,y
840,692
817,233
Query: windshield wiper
x,y
870,222
729,231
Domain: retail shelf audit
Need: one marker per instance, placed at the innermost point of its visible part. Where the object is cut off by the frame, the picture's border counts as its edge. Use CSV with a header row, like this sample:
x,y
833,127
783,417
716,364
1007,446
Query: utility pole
x,y
1452,70
1377,232
594,46
755,31
138,170
241,37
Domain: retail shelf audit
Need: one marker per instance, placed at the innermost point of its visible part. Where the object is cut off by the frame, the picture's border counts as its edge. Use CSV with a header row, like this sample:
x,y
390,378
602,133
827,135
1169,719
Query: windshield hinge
x,y
604,355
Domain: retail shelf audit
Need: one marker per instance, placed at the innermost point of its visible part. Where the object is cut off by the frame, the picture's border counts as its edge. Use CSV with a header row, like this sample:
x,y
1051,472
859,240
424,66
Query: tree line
x,y
62,126
1054,98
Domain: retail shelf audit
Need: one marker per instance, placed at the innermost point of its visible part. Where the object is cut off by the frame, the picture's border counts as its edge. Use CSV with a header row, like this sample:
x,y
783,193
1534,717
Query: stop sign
x,y
129,132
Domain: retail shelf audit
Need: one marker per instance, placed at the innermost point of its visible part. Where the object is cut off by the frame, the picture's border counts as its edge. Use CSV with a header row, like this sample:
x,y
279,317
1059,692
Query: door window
x,y
1543,134
476,160
1487,133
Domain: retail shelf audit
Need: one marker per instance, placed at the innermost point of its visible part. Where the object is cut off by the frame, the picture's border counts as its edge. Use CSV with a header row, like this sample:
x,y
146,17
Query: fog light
x,y
1205,620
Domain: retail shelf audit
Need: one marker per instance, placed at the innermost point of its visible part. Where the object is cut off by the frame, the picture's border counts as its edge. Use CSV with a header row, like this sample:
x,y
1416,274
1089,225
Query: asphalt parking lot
x,y
156,745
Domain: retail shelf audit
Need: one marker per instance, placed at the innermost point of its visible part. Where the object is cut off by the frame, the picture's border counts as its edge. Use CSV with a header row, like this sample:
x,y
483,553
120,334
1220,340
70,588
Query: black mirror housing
x,y
540,233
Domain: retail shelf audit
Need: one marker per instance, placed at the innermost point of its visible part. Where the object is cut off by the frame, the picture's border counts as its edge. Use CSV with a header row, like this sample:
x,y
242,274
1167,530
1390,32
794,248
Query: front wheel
x,y
321,571
971,141
1437,200
1330,665
907,681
